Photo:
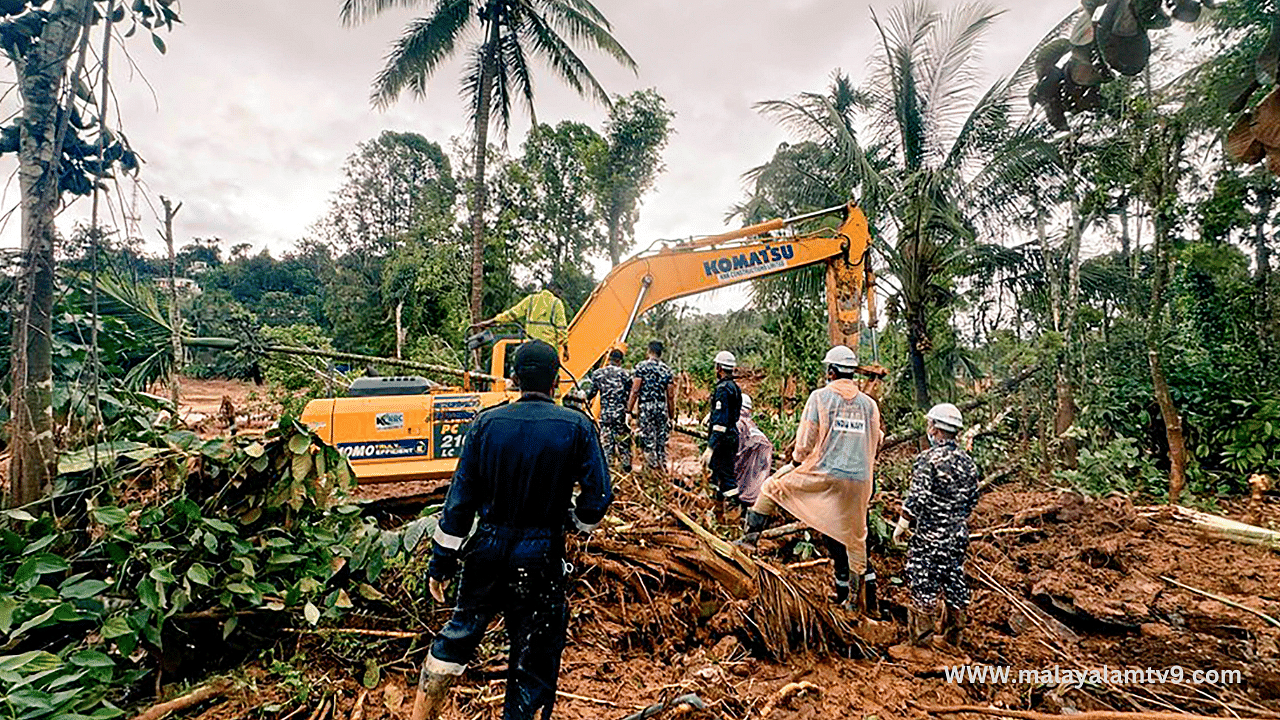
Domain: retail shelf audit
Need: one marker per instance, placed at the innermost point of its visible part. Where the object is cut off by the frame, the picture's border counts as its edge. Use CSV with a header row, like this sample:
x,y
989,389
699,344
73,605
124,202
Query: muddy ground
x,y
1059,581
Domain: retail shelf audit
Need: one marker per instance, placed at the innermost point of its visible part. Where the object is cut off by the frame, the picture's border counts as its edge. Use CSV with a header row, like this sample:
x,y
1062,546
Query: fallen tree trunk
x,y
1217,526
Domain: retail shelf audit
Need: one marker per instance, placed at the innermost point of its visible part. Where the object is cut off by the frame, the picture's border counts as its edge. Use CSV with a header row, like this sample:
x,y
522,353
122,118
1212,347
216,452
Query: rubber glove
x,y
900,529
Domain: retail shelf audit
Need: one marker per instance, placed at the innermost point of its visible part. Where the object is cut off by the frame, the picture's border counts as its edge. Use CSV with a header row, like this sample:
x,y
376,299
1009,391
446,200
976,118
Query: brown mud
x,y
1060,581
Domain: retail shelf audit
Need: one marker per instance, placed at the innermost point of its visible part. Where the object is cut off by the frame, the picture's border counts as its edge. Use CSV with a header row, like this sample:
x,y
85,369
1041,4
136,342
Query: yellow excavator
x,y
400,429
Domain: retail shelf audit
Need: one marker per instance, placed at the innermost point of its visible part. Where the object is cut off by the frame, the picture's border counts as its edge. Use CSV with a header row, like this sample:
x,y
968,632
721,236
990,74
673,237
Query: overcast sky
x,y
248,117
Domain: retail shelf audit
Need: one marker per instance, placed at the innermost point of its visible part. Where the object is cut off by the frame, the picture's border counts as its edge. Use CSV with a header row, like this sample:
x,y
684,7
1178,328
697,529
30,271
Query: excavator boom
x,y
650,279
394,430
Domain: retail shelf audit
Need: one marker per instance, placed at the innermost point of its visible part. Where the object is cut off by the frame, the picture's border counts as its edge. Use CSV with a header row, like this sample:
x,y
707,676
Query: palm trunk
x,y
480,196
915,349
1160,385
34,460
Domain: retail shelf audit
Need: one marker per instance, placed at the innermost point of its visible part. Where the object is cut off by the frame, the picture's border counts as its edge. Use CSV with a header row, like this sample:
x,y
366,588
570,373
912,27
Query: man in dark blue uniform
x,y
517,471
722,427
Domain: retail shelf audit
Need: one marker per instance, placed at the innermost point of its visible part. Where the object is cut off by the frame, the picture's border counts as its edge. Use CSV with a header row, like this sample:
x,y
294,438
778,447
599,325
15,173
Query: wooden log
x,y
782,530
191,699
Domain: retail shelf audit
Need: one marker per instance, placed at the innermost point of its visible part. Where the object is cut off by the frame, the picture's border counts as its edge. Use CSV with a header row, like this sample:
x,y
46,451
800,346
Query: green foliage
x,y
295,380
635,134
547,193
1118,465
257,525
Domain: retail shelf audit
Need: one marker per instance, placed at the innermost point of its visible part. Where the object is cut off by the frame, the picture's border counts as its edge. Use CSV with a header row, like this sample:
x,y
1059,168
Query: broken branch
x,y
1224,601
195,697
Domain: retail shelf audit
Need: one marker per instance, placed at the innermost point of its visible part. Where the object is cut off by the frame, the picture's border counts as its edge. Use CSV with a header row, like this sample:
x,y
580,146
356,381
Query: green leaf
x,y
7,606
36,621
198,574
284,559
32,662
19,515
241,589
115,627
155,39
40,544
148,595
312,613
162,574
301,467
220,526
43,564
91,658
229,626
372,674
255,450
109,516
83,590
299,444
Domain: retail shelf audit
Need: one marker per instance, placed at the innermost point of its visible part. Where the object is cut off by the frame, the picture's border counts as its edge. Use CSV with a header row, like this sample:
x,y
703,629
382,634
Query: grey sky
x,y
257,103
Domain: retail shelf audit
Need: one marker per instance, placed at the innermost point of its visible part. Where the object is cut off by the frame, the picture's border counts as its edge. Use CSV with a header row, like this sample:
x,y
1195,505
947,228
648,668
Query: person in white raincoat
x,y
828,487
755,456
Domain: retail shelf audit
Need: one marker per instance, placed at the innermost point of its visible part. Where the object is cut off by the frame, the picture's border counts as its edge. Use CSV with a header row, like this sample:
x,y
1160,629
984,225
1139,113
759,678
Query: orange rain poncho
x,y
835,455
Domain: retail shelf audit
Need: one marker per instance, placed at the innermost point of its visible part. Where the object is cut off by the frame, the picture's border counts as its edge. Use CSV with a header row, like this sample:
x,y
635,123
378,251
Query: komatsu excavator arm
x,y
751,253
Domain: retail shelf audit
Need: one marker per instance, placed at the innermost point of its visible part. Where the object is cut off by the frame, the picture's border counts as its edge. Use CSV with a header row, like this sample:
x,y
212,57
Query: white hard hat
x,y
746,401
842,357
946,416
725,359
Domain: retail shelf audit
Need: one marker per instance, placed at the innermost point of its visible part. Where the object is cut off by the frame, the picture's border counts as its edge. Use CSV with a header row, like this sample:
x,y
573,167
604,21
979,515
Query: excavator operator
x,y
541,315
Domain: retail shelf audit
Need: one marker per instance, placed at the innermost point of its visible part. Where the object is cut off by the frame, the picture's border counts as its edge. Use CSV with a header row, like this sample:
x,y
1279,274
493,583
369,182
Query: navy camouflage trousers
x,y
935,566
520,573
655,430
615,438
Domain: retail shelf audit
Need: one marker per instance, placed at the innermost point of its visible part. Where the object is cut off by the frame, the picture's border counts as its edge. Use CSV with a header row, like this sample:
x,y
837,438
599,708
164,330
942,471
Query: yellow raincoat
x,y
835,456
541,315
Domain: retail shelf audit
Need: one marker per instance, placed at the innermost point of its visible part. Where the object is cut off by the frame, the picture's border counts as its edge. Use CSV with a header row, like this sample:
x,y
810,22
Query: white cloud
x,y
260,102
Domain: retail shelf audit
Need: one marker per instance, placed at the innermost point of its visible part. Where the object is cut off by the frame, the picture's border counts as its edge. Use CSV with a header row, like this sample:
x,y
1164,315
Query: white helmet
x,y
842,357
746,401
946,416
725,359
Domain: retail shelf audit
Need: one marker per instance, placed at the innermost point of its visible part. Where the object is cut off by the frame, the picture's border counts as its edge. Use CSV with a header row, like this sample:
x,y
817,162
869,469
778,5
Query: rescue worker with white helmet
x,y
722,427
944,489
828,485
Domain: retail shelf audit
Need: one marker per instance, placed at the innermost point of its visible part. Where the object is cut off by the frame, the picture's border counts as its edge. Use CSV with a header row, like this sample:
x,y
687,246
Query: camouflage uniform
x,y
613,383
651,411
944,489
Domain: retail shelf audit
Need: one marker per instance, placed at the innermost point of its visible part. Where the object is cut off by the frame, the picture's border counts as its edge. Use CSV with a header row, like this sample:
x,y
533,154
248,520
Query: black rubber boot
x,y
755,523
869,587
920,627
954,625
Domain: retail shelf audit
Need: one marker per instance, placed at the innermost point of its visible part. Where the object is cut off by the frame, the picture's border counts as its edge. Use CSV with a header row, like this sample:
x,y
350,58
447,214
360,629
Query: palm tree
x,y
942,159
512,31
